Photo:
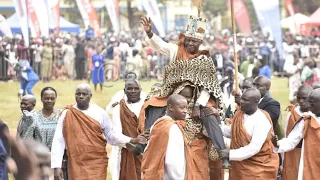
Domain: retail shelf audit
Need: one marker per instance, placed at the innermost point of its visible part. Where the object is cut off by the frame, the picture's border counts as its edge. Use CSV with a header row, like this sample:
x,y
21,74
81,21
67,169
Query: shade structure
x,y
314,19
293,22
65,25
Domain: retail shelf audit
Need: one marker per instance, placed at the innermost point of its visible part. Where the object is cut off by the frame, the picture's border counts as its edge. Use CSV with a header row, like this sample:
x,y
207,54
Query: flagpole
x,y
235,56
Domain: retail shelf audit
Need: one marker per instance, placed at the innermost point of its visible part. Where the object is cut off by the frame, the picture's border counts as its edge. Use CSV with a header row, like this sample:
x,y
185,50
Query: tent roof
x,y
314,18
292,21
65,25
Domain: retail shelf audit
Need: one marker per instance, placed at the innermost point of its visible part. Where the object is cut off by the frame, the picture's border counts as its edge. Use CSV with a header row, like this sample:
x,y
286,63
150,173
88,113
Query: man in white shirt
x,y
83,130
292,158
123,163
306,129
251,150
28,102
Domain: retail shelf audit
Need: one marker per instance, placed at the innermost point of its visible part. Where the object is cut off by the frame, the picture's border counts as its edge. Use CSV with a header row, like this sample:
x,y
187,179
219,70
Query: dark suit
x,y
272,106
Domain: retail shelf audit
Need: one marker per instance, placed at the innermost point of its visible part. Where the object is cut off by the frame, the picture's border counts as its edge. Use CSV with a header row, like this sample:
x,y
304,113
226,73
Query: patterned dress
x,y
42,128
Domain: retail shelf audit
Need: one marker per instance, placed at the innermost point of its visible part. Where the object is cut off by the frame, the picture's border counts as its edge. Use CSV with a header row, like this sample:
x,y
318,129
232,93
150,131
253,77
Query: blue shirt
x,y
3,158
265,71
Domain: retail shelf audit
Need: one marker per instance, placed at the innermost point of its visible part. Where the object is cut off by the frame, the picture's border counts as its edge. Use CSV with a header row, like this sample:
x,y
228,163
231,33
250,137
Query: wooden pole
x,y
235,56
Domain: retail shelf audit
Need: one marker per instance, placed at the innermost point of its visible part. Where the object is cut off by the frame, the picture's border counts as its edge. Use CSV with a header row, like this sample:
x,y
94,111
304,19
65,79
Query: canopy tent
x,y
65,25
314,19
293,22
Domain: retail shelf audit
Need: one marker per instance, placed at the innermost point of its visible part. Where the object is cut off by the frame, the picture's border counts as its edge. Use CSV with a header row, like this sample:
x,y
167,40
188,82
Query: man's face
x,y
302,98
179,109
258,84
187,92
192,45
27,105
246,85
247,103
132,90
314,105
83,97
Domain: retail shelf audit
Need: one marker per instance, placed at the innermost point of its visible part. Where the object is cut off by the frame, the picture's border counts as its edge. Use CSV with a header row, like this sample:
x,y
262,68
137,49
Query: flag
x,y
21,10
89,15
34,20
241,16
54,8
112,11
4,27
153,12
83,13
268,15
42,14
290,7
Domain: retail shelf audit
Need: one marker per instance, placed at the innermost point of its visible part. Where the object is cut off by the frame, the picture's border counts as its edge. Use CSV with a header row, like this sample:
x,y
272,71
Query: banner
x,y
4,27
112,11
93,19
268,15
54,6
33,19
21,10
42,14
241,16
153,12
290,7
83,13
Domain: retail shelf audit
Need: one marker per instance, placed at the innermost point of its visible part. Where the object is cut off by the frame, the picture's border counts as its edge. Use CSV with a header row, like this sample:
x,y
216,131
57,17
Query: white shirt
x,y
171,50
117,98
115,156
294,138
175,160
257,126
98,114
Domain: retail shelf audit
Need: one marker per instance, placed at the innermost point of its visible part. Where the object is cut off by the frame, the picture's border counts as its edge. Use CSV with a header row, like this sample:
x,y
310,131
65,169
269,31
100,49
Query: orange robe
x,y
311,157
292,158
263,165
130,166
86,146
153,161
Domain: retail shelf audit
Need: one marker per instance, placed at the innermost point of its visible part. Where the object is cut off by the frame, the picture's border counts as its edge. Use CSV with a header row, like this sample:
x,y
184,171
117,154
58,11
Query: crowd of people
x,y
193,125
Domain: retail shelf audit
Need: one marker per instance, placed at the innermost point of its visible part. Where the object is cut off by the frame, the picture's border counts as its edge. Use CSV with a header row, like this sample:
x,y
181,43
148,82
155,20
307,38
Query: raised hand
x,y
147,25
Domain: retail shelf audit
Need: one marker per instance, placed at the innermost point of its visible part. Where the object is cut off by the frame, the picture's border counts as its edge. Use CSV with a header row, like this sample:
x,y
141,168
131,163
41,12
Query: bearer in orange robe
x,y
292,158
308,130
251,149
167,155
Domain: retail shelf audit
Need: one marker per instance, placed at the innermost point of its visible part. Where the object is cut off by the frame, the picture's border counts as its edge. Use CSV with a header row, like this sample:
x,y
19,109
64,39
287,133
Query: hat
x,y
196,27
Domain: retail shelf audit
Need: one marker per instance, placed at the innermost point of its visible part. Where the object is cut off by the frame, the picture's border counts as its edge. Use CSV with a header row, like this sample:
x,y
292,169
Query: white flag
x,y
84,14
4,27
42,14
111,8
153,12
21,10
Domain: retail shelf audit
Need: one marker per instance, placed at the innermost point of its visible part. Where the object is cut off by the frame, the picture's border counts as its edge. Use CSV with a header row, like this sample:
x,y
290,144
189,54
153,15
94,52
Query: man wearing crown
x,y
190,64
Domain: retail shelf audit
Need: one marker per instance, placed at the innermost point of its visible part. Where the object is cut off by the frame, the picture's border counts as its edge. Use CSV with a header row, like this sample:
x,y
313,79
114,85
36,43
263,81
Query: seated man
x,y
251,150
167,155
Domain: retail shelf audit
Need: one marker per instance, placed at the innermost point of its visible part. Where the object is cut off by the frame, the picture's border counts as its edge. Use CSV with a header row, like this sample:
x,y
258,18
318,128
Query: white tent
x,y
293,22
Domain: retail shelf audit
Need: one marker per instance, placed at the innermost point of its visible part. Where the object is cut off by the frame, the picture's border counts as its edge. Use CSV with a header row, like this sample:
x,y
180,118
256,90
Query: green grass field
x,y
10,107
